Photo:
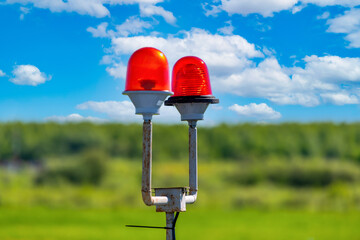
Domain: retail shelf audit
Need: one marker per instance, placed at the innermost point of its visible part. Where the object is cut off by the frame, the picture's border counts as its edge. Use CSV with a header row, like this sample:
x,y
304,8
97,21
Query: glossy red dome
x,y
148,70
190,77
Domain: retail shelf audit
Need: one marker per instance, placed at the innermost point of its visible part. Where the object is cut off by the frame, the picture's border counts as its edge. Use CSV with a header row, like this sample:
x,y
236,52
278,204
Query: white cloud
x,y
98,9
2,73
210,10
324,3
168,114
95,8
228,29
340,98
131,26
28,75
325,15
297,8
148,10
24,11
320,80
99,31
349,24
354,39
124,111
259,111
114,2
84,7
267,8
269,52
331,69
346,23
74,118
267,80
222,54
263,7
229,59
117,110
117,70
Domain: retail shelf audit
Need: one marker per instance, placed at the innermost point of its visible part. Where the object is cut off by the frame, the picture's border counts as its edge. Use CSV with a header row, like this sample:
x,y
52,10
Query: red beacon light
x,y
192,89
191,78
147,81
148,70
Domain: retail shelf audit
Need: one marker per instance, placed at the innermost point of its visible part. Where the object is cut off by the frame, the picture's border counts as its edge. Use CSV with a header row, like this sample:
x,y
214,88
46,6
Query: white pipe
x,y
146,168
193,163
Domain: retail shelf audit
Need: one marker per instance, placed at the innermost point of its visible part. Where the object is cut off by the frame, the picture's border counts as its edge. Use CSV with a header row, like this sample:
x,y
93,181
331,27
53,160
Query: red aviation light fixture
x,y
147,81
192,89
147,85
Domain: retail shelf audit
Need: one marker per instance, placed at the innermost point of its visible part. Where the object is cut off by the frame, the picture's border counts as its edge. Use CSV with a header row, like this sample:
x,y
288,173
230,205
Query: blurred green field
x,y
302,185
83,181
36,142
62,224
257,210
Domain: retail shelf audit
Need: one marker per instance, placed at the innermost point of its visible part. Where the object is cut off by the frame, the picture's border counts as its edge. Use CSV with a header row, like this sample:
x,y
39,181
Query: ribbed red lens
x,y
148,70
190,77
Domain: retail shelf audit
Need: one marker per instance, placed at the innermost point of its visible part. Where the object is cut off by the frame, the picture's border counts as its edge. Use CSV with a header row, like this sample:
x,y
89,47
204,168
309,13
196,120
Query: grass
x,y
226,208
221,186
247,224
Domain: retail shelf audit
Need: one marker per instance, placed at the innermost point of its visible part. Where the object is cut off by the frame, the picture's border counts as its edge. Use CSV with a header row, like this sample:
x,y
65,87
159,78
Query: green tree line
x,y
38,141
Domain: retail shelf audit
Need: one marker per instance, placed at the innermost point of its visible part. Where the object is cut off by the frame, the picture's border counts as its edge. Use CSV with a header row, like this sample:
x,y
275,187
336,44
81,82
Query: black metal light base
x,y
191,99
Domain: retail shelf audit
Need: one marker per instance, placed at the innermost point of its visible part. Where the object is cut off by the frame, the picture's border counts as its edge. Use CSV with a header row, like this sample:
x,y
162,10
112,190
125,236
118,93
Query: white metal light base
x,y
192,111
147,103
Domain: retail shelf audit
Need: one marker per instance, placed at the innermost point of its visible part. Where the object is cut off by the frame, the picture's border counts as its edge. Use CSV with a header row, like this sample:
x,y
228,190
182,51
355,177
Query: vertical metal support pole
x,y
169,225
147,161
147,168
193,163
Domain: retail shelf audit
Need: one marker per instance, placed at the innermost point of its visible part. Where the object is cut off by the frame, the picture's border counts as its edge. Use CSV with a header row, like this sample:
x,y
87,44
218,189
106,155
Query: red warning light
x,y
148,70
190,78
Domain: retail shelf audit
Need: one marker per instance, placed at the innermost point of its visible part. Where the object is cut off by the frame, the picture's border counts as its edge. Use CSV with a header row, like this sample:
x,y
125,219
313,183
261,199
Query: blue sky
x,y
269,60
